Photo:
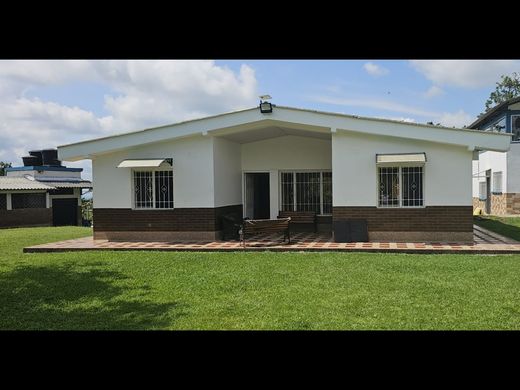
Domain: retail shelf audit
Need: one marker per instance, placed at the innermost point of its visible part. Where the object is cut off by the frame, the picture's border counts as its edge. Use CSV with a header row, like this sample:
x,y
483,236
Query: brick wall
x,y
25,217
508,203
428,219
177,220
479,203
513,203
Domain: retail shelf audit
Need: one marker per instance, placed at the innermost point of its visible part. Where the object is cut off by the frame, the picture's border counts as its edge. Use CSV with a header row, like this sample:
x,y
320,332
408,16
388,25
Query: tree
x,y
4,165
507,88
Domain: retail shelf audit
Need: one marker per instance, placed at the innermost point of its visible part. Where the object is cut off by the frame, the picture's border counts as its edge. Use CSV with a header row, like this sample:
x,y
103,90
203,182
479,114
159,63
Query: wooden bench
x,y
257,226
300,217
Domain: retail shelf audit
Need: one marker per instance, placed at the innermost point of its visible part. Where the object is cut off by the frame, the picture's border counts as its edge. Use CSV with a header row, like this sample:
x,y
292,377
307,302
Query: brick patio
x,y
484,242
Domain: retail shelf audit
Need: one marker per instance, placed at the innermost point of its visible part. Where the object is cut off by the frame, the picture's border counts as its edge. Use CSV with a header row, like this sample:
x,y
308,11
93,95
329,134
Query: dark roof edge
x,y
43,168
493,111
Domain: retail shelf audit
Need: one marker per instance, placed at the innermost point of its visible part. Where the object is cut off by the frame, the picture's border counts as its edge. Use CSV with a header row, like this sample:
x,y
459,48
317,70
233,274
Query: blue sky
x,y
50,103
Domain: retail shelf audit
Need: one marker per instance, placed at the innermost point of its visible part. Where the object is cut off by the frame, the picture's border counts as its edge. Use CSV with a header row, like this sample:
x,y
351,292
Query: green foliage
x,y
199,290
4,165
86,209
508,88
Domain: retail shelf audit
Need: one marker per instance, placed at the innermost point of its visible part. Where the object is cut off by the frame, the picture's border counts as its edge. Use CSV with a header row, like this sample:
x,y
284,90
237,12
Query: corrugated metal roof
x,y
22,183
63,184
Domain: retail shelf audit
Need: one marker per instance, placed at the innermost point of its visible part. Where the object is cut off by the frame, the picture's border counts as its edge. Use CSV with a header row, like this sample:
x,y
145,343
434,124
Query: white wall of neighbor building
x,y
497,162
285,153
447,174
192,172
228,172
45,174
513,169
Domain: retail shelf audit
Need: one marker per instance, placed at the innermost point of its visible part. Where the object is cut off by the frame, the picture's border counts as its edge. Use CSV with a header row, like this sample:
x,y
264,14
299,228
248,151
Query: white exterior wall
x,y
46,174
288,152
285,153
497,162
192,172
513,169
228,172
447,173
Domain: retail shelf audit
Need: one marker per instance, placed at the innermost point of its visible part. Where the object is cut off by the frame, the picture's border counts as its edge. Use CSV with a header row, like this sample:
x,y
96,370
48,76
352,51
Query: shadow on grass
x,y
497,226
74,298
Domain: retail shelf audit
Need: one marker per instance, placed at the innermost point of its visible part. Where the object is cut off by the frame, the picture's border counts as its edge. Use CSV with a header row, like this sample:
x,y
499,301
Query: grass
x,y
506,226
190,290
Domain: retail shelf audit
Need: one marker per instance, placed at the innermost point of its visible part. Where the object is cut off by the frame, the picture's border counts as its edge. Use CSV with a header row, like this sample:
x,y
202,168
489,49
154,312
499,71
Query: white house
x,y
407,181
496,176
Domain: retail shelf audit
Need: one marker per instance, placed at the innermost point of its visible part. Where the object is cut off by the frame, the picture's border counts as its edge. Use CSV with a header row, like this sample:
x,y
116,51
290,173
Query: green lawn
x,y
173,290
507,226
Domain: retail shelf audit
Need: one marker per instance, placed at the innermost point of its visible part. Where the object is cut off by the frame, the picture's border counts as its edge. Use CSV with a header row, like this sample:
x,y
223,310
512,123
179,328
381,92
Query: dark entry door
x,y
257,195
64,212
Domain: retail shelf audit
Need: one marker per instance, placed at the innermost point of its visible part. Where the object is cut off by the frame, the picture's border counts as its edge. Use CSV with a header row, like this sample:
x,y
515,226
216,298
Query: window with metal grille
x,y
28,201
306,191
497,182
3,202
327,192
153,189
401,186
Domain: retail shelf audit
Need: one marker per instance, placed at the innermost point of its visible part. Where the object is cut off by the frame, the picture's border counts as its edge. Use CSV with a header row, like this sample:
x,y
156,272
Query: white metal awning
x,y
401,158
145,163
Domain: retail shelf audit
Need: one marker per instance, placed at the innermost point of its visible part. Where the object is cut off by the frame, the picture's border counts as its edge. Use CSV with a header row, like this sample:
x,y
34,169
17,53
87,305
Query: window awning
x,y
401,158
145,163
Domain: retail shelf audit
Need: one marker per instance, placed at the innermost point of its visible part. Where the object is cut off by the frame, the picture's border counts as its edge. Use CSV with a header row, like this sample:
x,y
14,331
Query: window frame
x,y
493,184
511,128
400,166
482,194
294,172
153,170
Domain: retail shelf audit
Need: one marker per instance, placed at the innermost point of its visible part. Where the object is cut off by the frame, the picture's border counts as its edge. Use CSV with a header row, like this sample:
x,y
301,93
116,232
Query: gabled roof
x,y
310,120
493,111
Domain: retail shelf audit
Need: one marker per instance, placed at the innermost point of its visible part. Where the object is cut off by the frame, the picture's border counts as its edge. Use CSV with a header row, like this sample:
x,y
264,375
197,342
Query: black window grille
x,y
28,201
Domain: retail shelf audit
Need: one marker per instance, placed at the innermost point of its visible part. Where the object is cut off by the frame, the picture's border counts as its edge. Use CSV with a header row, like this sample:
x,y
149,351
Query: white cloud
x,y
433,91
379,104
145,93
456,119
374,69
448,119
465,73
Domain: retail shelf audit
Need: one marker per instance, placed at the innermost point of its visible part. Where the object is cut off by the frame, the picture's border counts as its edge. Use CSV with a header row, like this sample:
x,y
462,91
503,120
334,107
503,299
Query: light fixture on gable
x,y
265,106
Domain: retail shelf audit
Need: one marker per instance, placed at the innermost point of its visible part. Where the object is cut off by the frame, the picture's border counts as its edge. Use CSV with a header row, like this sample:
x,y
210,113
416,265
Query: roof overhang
x,y
144,163
287,117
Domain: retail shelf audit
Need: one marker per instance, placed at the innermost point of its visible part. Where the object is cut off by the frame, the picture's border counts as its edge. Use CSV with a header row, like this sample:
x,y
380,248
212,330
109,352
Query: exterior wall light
x,y
265,106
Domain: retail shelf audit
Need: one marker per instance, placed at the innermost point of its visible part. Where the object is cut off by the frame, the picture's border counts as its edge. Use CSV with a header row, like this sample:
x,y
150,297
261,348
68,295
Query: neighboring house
x,y
496,176
408,181
41,193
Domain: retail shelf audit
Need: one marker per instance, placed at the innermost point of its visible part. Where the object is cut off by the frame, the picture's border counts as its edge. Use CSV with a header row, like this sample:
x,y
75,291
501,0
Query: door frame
x,y
488,192
244,187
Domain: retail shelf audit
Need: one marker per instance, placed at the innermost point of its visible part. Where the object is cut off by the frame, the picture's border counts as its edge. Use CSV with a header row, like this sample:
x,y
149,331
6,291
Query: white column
x,y
9,202
47,200
274,193
77,192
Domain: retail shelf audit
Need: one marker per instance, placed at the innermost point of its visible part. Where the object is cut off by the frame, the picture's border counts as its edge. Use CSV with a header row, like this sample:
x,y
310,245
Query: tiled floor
x,y
484,242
